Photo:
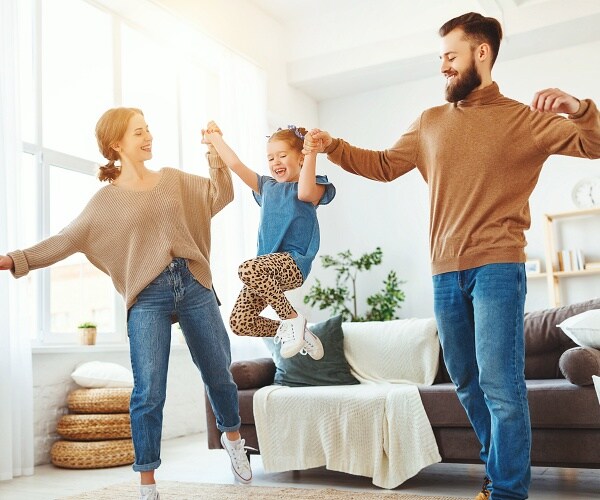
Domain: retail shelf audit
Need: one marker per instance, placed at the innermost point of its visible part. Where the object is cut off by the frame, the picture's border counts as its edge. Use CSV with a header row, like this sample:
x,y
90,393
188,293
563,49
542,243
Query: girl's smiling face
x,y
285,162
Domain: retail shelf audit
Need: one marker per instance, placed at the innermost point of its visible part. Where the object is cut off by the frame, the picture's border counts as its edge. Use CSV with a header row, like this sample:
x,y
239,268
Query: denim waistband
x,y
178,263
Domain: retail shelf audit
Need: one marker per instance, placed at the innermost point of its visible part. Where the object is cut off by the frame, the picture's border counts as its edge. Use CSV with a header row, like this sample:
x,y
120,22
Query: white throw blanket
x,y
375,429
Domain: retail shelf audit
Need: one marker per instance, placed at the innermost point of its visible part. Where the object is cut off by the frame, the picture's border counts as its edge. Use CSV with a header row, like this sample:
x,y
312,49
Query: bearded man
x,y
481,155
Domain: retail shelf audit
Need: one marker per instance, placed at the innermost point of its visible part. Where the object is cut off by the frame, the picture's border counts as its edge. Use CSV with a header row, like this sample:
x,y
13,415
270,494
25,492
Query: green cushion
x,y
301,371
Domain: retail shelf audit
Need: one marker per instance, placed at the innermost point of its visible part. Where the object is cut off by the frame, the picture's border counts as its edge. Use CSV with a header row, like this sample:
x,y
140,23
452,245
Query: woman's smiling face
x,y
285,162
136,144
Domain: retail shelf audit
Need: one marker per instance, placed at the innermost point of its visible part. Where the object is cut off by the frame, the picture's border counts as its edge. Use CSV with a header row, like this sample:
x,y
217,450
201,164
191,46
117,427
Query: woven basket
x,y
105,400
93,454
94,427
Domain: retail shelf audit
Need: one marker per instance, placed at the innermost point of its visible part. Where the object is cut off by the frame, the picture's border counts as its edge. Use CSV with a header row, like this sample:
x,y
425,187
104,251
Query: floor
x,y
188,459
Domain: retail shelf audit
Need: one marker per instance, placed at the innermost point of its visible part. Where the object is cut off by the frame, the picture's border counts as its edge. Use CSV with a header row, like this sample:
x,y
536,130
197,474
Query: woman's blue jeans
x,y
175,292
480,313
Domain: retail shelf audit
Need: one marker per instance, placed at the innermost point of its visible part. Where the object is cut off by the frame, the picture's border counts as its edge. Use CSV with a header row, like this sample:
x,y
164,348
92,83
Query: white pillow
x,y
596,380
584,328
102,374
398,351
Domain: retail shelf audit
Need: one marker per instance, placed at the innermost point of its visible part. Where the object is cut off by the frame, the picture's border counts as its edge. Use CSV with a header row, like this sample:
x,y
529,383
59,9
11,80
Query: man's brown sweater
x,y
481,159
133,235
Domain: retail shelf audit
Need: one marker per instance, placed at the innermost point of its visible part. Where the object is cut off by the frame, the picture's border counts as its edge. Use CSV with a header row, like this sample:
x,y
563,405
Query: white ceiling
x,y
339,47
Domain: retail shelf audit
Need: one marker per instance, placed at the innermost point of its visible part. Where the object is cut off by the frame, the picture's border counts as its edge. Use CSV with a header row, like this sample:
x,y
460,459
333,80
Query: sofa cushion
x,y
331,369
558,404
583,328
544,340
578,364
553,404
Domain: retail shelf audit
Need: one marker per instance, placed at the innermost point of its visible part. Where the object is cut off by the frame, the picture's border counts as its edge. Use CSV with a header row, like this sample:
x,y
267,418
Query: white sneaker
x,y
149,492
240,466
312,345
291,335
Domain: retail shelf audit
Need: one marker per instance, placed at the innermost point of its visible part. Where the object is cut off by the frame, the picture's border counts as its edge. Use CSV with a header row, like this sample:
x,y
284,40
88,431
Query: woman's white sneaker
x,y
148,492
240,465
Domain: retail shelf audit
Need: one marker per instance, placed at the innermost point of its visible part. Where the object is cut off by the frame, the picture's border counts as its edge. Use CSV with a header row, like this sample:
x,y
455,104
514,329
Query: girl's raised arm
x,y
214,137
308,189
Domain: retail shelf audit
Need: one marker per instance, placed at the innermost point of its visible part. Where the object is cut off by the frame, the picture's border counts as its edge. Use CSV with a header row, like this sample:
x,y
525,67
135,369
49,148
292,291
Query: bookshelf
x,y
553,273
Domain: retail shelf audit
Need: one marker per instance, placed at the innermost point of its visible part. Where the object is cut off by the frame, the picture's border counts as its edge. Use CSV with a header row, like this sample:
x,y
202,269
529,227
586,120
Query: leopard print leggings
x,y
265,279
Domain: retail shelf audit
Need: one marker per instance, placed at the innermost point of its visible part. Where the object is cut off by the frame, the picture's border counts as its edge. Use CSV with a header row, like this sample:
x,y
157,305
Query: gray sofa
x,y
565,416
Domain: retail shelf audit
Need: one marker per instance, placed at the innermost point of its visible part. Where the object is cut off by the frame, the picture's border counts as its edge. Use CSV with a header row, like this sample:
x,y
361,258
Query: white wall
x,y
395,216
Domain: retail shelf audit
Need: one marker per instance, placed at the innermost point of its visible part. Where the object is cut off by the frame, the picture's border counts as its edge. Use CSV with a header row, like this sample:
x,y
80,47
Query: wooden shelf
x,y
581,272
553,277
532,276
573,213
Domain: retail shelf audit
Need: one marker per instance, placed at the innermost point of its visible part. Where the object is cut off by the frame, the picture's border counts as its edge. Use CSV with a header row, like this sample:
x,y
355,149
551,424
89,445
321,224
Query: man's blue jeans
x,y
176,292
479,313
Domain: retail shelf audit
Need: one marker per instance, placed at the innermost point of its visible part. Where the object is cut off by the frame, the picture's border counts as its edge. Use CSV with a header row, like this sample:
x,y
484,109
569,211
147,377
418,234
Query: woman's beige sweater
x,y
481,159
133,235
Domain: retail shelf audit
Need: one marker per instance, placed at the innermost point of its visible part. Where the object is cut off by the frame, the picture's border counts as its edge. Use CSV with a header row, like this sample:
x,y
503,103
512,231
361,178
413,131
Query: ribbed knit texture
x,y
481,159
374,430
133,235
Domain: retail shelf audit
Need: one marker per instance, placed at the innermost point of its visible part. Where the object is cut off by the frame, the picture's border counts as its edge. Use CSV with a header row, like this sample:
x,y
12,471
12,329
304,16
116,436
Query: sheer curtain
x,y
16,391
243,119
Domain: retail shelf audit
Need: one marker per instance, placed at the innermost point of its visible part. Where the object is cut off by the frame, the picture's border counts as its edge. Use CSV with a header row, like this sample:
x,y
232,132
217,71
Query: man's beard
x,y
462,86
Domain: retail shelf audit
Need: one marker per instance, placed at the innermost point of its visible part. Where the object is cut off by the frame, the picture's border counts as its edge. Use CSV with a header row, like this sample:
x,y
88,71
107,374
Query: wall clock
x,y
586,193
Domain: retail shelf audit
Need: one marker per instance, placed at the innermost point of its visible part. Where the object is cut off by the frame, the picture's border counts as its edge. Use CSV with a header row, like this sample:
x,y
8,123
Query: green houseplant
x,y
87,333
342,298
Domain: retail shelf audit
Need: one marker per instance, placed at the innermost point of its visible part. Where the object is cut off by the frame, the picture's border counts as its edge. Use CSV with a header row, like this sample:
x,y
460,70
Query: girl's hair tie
x,y
294,129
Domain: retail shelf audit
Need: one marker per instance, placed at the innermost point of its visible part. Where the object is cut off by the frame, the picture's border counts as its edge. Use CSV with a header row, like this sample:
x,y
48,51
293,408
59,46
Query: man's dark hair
x,y
478,29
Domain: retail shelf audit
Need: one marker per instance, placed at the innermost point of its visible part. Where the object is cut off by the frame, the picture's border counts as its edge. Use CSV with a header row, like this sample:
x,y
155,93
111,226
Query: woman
x,y
150,232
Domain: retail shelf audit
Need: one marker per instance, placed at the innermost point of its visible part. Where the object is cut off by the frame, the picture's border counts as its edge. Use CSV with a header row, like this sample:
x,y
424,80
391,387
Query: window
x,y
149,82
77,75
71,73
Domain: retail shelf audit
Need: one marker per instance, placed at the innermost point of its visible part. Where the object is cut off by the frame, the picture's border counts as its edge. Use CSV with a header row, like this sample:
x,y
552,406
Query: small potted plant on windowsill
x,y
87,333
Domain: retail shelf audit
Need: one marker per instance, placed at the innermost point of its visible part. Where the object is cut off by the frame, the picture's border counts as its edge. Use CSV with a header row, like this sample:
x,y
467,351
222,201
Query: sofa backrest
x,y
545,342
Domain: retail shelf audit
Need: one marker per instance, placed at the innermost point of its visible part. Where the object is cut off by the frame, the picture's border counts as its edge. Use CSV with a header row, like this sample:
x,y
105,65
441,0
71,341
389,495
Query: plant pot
x,y
87,336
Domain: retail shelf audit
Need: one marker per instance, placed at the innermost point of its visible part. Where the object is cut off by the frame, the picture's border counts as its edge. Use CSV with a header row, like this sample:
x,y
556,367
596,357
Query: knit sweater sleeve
x,y
221,185
50,250
384,165
578,135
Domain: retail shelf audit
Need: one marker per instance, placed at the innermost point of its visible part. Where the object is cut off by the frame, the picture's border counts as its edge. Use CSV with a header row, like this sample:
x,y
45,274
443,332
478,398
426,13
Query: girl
x,y
150,231
288,238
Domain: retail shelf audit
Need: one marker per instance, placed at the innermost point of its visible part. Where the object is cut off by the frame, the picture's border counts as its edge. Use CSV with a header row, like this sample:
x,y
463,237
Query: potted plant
x,y
342,299
87,333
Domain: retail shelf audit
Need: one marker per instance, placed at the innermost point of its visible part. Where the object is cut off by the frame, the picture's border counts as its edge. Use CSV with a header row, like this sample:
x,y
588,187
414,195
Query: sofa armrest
x,y
253,373
579,364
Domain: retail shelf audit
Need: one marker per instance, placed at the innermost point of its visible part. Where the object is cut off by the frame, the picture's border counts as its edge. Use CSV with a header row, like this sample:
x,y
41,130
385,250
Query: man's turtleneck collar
x,y
481,96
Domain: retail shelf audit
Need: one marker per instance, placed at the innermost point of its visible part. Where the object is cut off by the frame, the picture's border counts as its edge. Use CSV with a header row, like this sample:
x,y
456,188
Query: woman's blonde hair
x,y
110,129
293,135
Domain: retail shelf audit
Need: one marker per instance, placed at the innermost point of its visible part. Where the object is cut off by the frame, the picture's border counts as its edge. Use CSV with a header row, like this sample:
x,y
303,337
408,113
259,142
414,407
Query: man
x,y
481,156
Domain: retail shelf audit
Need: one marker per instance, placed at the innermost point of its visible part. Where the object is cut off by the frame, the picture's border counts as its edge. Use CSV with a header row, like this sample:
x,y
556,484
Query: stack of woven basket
x,y
97,432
